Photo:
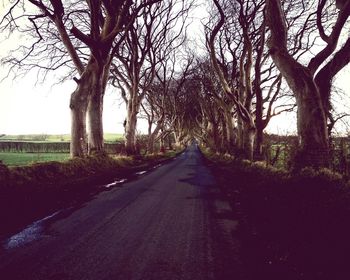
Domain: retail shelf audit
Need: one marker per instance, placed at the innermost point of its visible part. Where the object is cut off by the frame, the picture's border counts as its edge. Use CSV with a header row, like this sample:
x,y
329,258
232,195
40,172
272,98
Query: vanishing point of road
x,y
169,223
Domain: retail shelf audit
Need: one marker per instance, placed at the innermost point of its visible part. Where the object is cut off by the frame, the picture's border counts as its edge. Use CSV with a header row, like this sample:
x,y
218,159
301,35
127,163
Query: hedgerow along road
x,y
169,223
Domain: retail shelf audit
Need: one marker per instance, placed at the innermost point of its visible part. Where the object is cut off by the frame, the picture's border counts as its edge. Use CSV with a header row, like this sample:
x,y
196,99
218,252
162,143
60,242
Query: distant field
x,y
30,148
14,159
111,137
108,137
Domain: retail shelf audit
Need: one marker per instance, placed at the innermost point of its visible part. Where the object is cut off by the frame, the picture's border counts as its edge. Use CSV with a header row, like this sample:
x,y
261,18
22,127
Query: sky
x,y
30,108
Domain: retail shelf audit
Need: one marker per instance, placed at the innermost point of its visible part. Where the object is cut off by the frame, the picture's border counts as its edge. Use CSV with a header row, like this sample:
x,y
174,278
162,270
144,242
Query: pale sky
x,y
27,108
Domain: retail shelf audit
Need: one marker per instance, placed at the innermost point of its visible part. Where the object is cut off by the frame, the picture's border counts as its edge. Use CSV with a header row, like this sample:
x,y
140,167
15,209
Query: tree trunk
x,y
259,140
248,141
87,104
78,105
130,129
311,117
162,145
95,125
150,148
177,138
312,128
152,138
95,107
150,144
246,133
213,137
259,144
170,144
229,131
240,136
224,137
259,122
217,145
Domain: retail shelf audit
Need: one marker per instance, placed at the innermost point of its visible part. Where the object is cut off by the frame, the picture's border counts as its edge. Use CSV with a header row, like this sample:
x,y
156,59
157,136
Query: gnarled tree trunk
x,y
259,140
130,126
95,126
95,107
86,104
239,137
162,144
79,102
78,107
152,137
312,125
311,116
177,137
249,132
230,137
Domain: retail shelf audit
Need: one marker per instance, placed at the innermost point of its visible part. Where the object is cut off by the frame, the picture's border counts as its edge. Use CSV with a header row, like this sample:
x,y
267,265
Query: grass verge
x,y
31,192
15,159
291,226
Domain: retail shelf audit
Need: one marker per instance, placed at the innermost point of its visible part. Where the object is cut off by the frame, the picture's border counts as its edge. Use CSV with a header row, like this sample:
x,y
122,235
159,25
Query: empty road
x,y
169,223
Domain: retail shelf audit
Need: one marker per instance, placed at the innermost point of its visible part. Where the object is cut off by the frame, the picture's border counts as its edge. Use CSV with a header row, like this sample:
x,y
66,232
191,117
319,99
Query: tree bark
x,y
78,106
311,116
170,144
95,107
130,127
152,138
243,96
162,145
95,125
177,137
248,141
259,106
259,141
312,127
229,131
239,138
213,137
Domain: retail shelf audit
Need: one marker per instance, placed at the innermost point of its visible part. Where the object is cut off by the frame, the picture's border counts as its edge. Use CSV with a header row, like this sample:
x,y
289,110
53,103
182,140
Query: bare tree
x,y
153,107
141,52
243,20
311,83
79,35
213,129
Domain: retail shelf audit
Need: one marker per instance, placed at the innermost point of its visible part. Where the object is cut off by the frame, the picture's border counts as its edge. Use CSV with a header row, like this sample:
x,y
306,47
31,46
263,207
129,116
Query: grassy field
x,y
15,159
111,137
16,150
21,154
108,137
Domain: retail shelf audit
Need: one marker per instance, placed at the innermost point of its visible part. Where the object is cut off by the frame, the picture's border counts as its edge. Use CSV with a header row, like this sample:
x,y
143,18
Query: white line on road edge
x,y
115,183
158,165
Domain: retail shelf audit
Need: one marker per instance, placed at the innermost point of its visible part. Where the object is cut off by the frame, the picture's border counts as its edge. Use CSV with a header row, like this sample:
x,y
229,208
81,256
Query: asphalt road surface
x,y
169,223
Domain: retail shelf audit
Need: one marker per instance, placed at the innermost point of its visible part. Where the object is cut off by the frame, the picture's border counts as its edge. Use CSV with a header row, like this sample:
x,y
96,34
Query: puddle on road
x,y
115,183
29,234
